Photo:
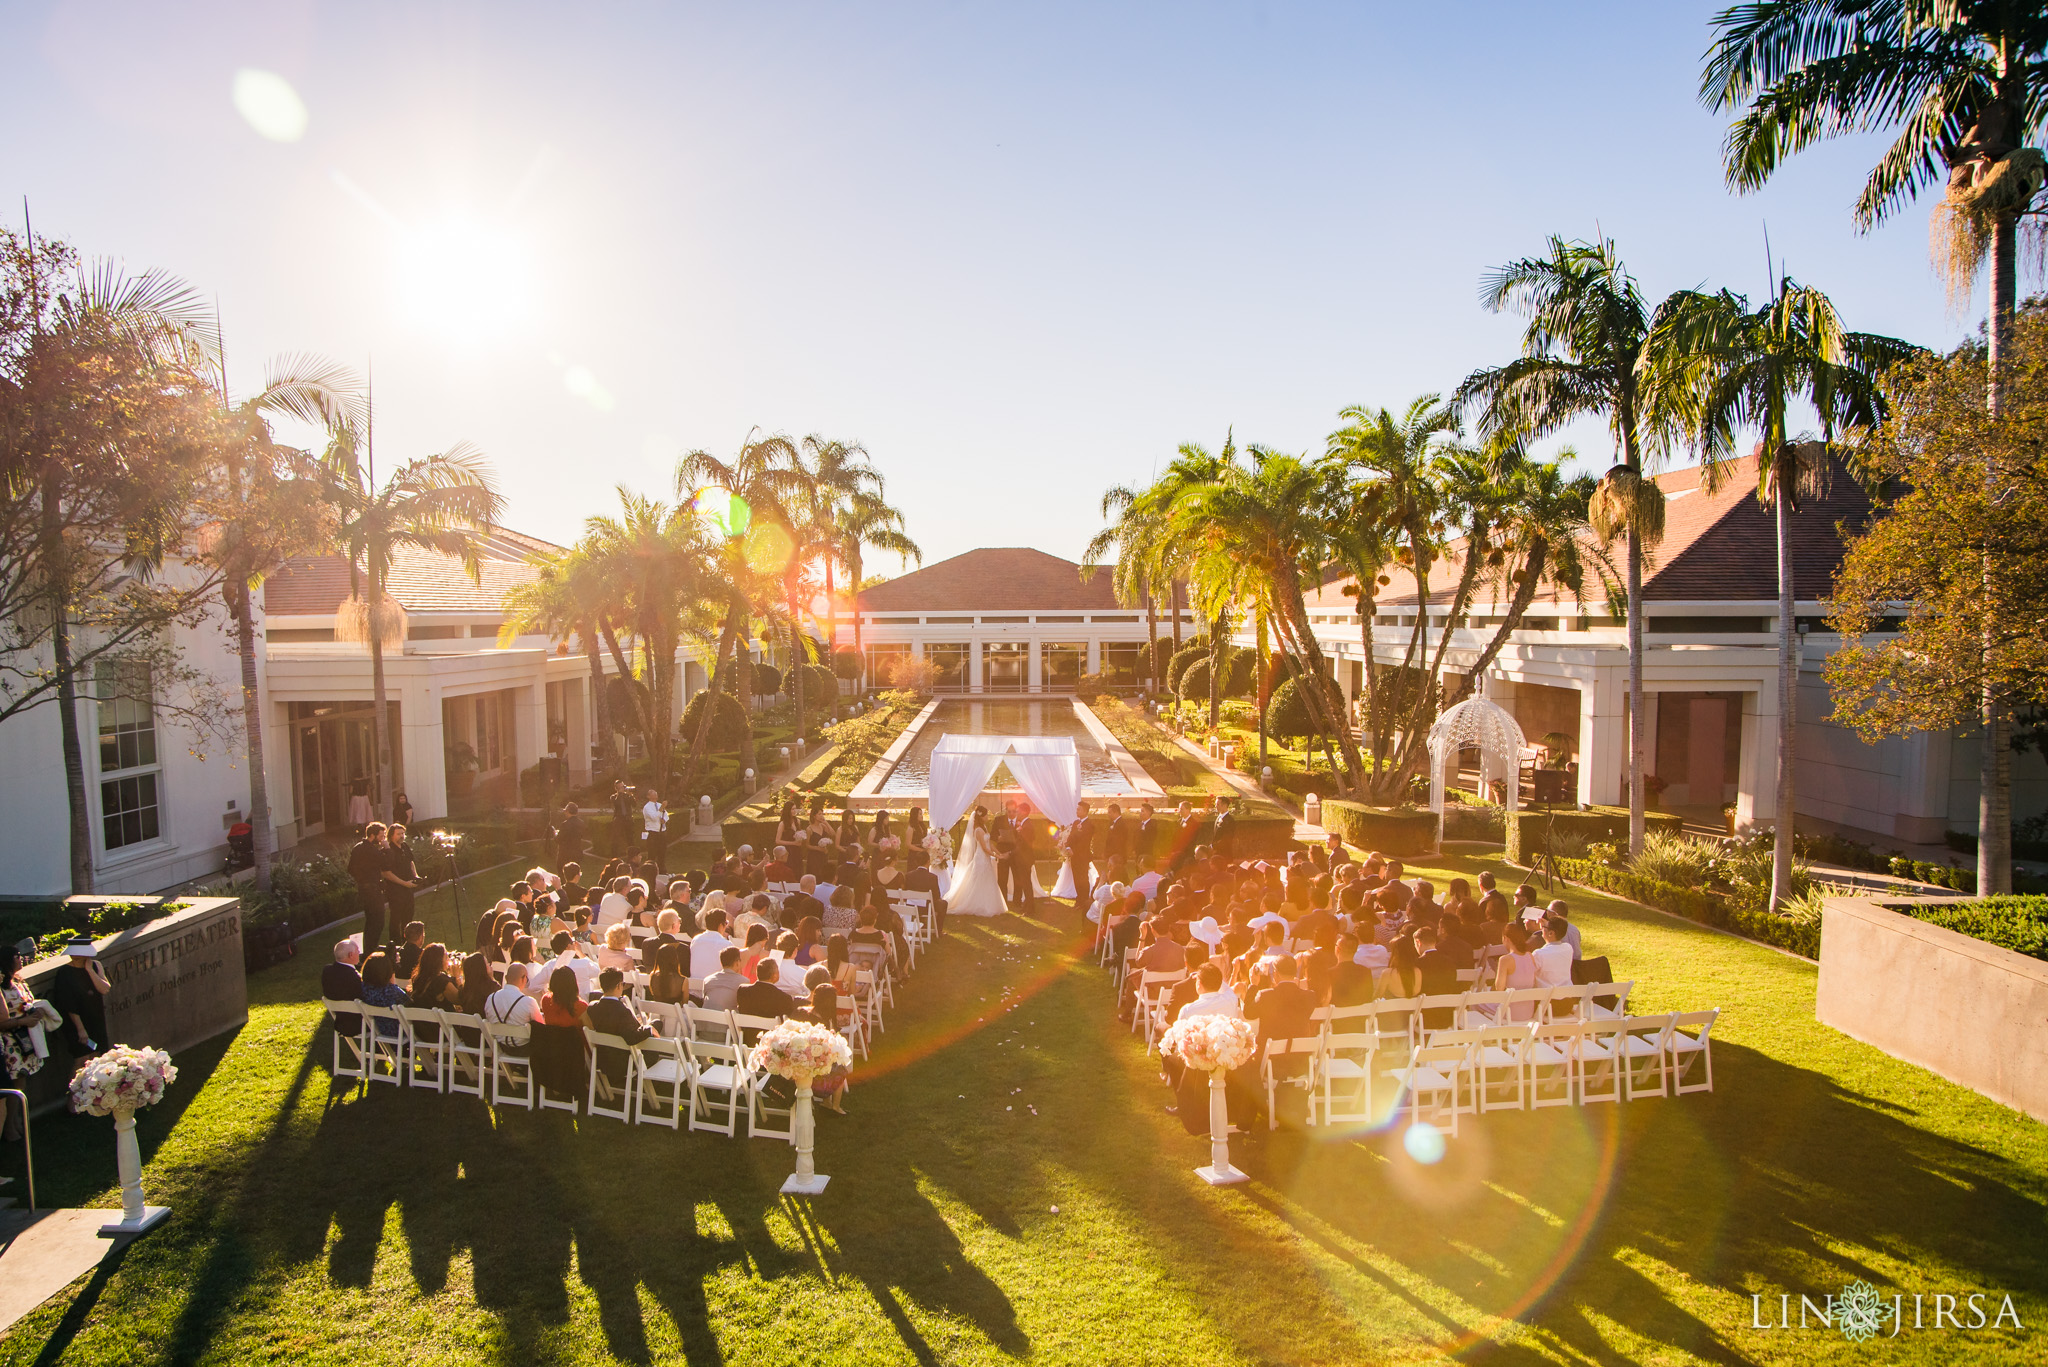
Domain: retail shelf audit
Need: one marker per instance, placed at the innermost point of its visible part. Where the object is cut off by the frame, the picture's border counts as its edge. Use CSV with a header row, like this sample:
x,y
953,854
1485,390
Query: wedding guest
x,y
804,902
1554,959
721,989
477,985
1516,968
510,1004
708,944
667,982
764,997
1404,971
400,875
668,930
1351,981
366,869
618,950
1563,913
610,1015
757,949
840,914
341,981
839,966
432,986
1213,999
809,941
827,1009
562,1003
760,911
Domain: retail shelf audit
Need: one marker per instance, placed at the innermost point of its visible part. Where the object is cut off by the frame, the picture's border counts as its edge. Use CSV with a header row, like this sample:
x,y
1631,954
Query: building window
x,y
1121,660
1061,664
1092,619
949,663
129,771
1063,619
883,658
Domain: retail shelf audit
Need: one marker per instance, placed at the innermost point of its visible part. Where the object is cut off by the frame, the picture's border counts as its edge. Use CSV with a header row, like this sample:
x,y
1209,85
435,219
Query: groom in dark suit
x,y
1021,857
1080,853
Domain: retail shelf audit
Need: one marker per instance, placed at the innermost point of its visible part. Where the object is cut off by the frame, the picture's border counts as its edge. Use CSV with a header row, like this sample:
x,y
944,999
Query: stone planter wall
x,y
1970,1011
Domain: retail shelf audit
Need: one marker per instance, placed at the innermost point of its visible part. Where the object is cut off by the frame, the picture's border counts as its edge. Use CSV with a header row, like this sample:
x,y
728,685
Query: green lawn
x,y
1008,1187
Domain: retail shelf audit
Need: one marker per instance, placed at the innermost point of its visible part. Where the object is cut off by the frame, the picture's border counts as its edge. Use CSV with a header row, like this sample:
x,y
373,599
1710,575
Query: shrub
x,y
1241,673
1197,649
1526,830
1796,929
2016,923
846,662
821,687
1475,821
1673,858
1287,713
912,674
728,720
1390,830
1194,681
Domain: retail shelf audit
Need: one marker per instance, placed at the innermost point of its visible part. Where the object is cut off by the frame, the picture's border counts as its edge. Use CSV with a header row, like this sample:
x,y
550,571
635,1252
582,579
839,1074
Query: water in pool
x,y
1006,717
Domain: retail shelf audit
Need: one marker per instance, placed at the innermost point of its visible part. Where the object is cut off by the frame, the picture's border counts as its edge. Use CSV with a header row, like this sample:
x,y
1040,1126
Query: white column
x,y
1756,790
576,712
1603,740
973,662
1094,665
426,764
1034,664
530,712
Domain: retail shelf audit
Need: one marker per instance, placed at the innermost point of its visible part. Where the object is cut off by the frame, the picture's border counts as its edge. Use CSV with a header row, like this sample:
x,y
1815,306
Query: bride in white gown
x,y
976,890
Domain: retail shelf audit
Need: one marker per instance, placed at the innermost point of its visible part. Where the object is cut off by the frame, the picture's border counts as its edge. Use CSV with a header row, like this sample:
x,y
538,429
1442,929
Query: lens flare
x,y
1424,1142
268,104
466,280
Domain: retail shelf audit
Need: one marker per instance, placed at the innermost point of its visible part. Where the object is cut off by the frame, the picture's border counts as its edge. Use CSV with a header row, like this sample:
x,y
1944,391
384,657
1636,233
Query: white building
x,y
1709,676
1003,620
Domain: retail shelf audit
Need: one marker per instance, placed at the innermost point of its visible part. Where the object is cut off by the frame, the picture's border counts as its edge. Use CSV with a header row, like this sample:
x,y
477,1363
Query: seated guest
x,y
839,966
613,906
1404,970
1553,960
721,989
562,1003
1280,1004
1450,938
340,981
510,1004
413,941
1516,968
1312,922
810,947
610,1015
920,878
757,949
763,997
707,944
1571,932
570,955
760,911
379,989
870,933
1351,981
1184,991
887,877
1213,998
618,949
499,951
803,902
431,984
668,930
839,913
667,982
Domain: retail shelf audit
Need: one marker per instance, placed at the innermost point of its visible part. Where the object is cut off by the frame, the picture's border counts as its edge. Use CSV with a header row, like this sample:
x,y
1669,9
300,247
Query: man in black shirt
x,y
764,997
341,982
75,990
1080,854
366,865
625,818
569,836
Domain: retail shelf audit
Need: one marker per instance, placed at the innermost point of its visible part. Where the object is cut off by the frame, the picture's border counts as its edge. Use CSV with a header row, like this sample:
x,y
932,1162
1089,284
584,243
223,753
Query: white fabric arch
x,y
1047,767
1481,722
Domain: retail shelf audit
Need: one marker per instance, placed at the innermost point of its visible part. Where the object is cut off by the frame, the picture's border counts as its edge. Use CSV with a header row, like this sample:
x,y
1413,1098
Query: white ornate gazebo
x,y
1478,721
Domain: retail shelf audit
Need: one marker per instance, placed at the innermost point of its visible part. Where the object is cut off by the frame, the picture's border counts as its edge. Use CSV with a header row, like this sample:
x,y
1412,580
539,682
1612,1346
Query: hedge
x,y
1708,908
1390,830
1598,823
2019,924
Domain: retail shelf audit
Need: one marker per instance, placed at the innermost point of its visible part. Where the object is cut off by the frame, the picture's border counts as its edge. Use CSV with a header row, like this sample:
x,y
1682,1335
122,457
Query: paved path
x,y
44,1251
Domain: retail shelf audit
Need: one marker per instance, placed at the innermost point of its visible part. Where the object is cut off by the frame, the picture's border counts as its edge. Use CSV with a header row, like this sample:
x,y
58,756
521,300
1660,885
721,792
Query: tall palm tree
x,y
1730,368
864,522
1133,543
1583,353
438,503
1266,524
837,473
1385,503
567,597
660,553
1539,522
267,507
1963,85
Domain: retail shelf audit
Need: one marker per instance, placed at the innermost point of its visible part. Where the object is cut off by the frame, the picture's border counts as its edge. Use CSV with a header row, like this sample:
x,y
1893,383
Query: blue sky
x,y
1021,252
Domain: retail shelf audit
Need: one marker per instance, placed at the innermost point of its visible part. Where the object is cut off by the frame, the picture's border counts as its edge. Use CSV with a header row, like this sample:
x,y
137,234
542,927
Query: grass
x,y
1008,1187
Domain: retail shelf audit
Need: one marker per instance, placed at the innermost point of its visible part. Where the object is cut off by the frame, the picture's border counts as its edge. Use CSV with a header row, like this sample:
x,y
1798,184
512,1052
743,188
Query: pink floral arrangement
x,y
801,1051
122,1079
1206,1043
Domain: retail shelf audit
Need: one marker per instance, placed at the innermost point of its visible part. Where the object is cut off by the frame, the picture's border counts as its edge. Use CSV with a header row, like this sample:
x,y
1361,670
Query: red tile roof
x,y
1717,547
422,581
994,579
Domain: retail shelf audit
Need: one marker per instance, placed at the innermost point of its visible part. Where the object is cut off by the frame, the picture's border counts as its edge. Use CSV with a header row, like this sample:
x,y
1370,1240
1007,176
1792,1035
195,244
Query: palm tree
x,y
267,507
1963,84
1728,368
1264,526
567,597
437,503
1583,353
659,554
838,473
1382,477
863,522
1539,522
1134,544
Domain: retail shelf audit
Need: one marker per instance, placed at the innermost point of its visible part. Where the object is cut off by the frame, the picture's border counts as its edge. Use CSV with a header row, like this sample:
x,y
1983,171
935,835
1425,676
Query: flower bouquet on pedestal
x,y
1214,1045
119,1083
803,1053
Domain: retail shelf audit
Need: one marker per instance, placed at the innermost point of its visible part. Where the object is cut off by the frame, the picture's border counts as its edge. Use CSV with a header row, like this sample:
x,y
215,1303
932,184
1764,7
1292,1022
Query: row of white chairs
x,y
1354,1072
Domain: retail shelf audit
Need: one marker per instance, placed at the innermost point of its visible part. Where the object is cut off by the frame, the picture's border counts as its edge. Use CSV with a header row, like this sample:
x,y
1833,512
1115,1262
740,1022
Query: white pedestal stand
x,y
806,1180
135,1216
1219,1173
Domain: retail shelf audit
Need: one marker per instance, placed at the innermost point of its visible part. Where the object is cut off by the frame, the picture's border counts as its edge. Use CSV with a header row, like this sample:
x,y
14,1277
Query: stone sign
x,y
176,981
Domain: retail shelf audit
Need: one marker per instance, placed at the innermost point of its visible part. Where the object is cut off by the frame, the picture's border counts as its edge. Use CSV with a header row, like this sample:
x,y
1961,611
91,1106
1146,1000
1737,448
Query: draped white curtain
x,y
1047,767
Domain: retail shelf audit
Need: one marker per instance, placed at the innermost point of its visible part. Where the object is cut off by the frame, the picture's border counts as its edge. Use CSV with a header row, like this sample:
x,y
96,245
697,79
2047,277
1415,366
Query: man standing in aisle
x,y
654,832
366,865
1080,854
623,808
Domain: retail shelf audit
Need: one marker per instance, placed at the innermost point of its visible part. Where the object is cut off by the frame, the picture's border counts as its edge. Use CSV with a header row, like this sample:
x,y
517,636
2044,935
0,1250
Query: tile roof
x,y
422,581
995,579
1718,547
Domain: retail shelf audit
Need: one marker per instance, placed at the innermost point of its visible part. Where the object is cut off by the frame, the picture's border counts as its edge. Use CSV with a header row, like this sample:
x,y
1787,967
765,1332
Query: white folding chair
x,y
765,1119
1500,1067
1478,1010
1432,1011
351,1047
668,1014
1645,1056
423,1046
1600,1061
702,1022
1468,979
1307,1049
1124,968
1436,1071
721,1085
613,1100
661,1081
1150,987
511,1070
1595,1004
1344,1071
1553,1055
466,1049
1523,1005
1685,1052
385,1033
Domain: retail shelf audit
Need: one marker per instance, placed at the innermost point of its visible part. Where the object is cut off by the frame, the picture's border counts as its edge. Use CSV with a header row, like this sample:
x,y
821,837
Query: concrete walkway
x,y
44,1251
